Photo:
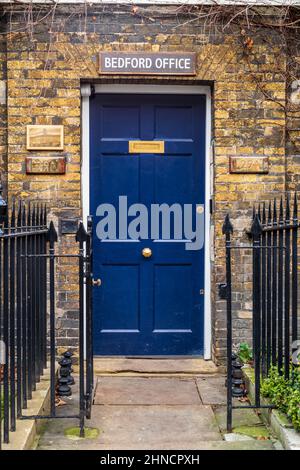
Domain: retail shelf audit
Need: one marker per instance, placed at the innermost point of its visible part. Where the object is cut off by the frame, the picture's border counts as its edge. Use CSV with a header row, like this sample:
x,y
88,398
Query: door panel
x,y
173,298
147,306
121,311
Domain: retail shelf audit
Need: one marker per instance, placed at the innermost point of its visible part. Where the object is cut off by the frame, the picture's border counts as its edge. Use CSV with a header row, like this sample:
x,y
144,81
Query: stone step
x,y
152,366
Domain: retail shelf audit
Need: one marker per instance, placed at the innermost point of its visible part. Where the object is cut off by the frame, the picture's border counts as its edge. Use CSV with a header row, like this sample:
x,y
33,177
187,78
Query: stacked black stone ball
x,y
65,377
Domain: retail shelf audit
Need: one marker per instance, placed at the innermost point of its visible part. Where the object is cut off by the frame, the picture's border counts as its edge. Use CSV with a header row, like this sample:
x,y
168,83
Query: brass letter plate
x,y
146,146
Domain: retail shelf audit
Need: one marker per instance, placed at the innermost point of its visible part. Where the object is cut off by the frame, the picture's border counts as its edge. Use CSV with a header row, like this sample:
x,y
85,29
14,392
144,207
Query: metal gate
x,y
274,248
29,251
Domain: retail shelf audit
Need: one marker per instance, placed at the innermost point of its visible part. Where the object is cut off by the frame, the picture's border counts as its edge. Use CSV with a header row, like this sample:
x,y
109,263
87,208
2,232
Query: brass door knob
x,y
147,253
96,282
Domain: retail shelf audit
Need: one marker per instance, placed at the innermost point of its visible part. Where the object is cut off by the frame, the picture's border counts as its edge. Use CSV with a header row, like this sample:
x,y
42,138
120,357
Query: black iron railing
x,y
274,245
28,316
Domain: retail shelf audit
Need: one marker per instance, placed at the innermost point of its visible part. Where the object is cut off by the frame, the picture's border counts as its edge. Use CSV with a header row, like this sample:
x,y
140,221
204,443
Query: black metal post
x,y
295,277
25,385
263,294
227,231
256,231
88,308
52,239
33,301
19,313
274,285
29,252
81,237
44,285
269,292
12,331
6,336
287,291
280,289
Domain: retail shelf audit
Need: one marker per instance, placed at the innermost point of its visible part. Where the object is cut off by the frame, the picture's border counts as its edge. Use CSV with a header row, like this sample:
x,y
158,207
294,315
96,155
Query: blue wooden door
x,y
155,305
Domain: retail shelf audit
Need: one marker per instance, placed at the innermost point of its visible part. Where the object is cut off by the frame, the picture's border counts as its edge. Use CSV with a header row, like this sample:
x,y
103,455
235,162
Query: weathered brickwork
x,y
3,110
293,122
44,72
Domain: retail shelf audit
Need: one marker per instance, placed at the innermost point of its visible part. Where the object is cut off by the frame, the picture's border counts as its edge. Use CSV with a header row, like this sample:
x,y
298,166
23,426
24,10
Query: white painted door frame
x,y
85,167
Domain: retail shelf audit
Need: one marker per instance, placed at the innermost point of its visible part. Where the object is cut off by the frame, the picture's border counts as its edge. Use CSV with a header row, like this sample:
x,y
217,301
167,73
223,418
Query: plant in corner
x,y
244,353
284,393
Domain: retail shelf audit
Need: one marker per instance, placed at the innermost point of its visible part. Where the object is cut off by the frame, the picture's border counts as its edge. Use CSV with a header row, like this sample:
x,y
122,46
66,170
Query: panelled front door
x,y
151,301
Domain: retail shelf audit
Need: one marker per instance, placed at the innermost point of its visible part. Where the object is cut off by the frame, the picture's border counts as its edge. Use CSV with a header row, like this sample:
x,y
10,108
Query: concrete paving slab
x,y
159,426
146,391
128,366
156,426
240,418
201,445
212,390
241,445
140,427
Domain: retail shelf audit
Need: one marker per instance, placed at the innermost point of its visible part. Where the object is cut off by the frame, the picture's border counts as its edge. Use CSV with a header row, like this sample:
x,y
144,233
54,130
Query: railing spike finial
x,y
13,214
81,235
42,214
270,213
52,233
259,211
295,214
227,226
24,215
287,209
281,210
256,228
38,213
19,218
29,220
275,211
45,215
264,216
34,214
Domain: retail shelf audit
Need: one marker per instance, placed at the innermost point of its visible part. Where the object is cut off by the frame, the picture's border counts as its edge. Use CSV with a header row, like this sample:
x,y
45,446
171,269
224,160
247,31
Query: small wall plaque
x,y
46,165
45,138
248,164
147,63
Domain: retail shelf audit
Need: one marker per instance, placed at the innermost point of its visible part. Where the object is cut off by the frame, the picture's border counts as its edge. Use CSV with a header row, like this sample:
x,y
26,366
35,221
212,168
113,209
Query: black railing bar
x,y
26,227
237,247
22,234
275,228
272,228
48,417
238,407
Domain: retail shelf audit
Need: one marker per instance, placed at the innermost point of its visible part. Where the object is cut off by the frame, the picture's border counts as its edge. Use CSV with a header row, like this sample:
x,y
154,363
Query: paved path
x,y
158,412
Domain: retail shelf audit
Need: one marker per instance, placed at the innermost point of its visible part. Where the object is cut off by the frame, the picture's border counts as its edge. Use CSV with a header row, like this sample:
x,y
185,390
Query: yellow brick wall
x,y
44,76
